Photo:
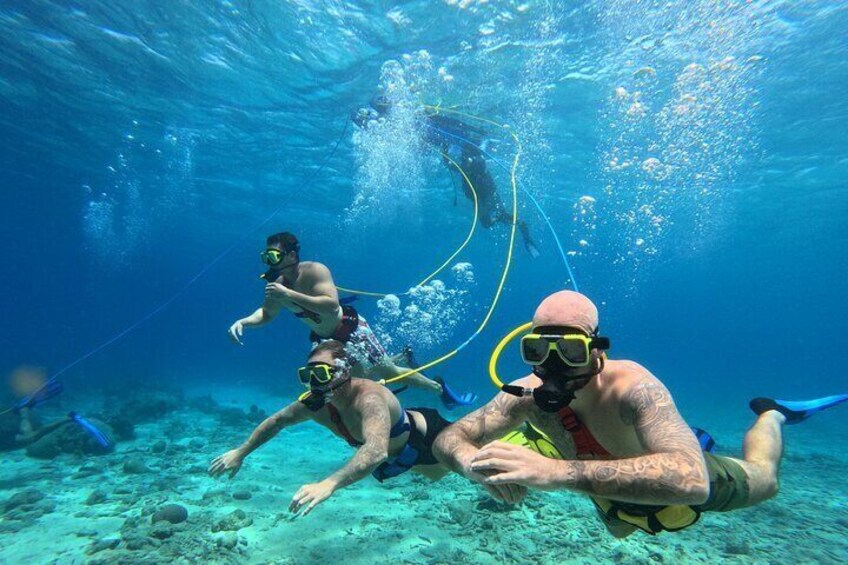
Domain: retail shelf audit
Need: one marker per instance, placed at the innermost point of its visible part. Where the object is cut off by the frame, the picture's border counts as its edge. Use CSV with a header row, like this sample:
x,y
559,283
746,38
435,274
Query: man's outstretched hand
x,y
229,462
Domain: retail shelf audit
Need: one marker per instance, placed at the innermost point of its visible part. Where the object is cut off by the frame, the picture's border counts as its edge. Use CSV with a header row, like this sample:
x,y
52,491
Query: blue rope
x,y
527,192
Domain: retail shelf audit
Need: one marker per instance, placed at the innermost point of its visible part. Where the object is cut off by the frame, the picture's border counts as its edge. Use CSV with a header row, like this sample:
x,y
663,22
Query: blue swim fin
x,y
91,429
451,399
50,389
705,439
796,411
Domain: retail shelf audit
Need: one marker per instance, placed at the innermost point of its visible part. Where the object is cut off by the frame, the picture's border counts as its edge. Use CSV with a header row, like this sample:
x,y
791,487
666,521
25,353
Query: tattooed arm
x,y
672,471
457,444
230,462
376,426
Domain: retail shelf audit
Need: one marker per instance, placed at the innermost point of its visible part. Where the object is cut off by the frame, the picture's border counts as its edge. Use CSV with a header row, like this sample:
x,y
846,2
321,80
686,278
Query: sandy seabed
x,y
92,510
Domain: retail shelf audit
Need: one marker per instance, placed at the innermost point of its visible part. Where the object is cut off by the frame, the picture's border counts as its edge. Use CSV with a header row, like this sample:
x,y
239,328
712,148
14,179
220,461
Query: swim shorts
x,y
729,488
362,346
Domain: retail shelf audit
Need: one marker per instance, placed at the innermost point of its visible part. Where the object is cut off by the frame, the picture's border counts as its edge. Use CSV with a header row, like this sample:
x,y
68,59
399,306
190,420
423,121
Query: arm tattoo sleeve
x,y
501,415
671,472
376,425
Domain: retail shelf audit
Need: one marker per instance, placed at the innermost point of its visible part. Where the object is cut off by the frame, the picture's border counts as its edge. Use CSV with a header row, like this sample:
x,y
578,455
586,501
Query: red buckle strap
x,y
336,418
569,419
584,442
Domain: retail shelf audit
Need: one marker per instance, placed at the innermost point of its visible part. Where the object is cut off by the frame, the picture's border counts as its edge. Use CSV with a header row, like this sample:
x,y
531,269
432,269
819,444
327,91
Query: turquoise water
x,y
690,157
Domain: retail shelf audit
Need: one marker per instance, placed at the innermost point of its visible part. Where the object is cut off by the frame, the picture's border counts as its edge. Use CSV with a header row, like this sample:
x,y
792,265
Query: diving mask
x,y
316,374
322,380
573,350
271,256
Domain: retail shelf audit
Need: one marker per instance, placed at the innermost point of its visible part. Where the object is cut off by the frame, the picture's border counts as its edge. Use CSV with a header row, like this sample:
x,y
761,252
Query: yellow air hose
x,y
507,264
449,259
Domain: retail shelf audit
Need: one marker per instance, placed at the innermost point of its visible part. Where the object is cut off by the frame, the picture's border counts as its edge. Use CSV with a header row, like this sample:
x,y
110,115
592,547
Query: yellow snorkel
x,y
550,397
496,355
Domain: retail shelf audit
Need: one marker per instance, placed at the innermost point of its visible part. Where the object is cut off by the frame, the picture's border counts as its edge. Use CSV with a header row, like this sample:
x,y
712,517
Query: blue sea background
x,y
139,141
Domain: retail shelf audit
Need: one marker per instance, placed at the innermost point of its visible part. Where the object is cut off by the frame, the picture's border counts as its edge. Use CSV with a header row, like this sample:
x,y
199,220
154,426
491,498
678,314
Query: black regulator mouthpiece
x,y
315,400
552,398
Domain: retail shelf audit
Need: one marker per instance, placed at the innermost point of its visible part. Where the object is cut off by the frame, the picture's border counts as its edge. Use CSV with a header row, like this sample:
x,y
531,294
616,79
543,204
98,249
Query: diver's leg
x,y
505,218
405,358
31,435
26,422
762,450
389,370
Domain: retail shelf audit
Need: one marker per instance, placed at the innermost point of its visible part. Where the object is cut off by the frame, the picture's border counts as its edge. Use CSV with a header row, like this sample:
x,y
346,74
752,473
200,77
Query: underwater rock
x,y
89,469
493,505
102,545
122,425
205,404
138,543
146,405
159,447
96,497
9,527
232,417
737,546
255,415
196,443
213,497
162,530
173,513
209,405
176,448
47,447
228,541
197,469
232,522
242,495
460,514
27,506
135,466
25,498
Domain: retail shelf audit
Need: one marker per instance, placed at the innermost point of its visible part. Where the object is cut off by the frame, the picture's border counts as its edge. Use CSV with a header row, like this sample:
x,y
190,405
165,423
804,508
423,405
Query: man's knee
x,y
770,487
763,482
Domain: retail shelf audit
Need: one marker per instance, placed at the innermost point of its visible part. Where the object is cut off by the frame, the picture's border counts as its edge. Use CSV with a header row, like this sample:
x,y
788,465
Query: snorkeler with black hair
x,y
462,143
306,289
609,429
389,440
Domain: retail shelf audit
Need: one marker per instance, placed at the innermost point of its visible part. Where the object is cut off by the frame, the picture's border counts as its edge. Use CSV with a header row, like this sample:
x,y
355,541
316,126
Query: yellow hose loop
x,y
501,283
449,259
496,353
